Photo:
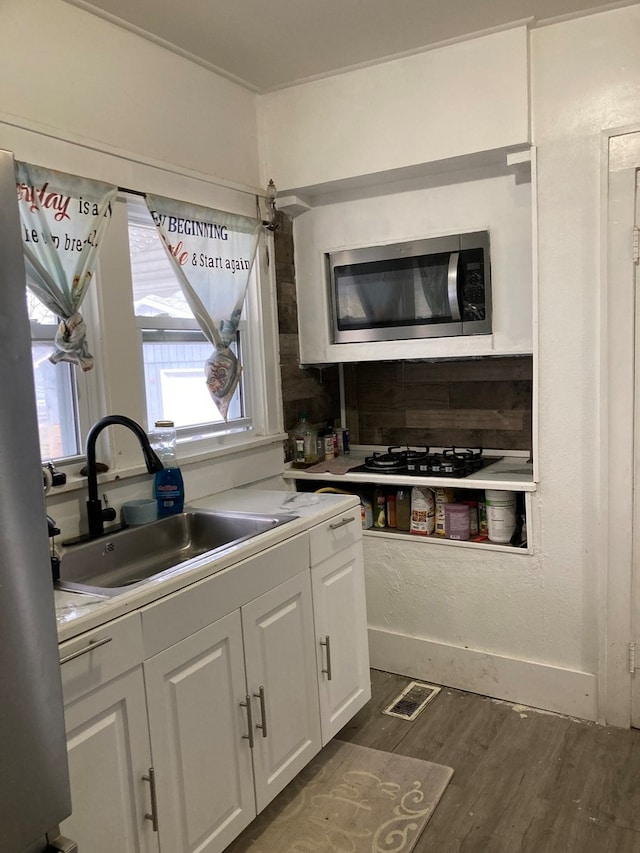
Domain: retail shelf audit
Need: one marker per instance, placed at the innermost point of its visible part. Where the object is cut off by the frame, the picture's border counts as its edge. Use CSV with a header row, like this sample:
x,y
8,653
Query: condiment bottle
x,y
329,443
403,509
391,510
302,438
379,508
296,439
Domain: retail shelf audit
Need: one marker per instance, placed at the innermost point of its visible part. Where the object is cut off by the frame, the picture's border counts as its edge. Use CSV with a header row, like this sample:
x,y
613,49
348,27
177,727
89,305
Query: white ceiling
x,y
269,44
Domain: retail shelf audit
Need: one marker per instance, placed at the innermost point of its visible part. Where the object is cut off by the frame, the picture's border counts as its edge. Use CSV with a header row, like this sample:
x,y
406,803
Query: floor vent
x,y
413,699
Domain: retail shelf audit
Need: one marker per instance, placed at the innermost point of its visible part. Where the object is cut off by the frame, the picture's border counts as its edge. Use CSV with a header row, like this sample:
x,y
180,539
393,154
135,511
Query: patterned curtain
x,y
213,253
63,220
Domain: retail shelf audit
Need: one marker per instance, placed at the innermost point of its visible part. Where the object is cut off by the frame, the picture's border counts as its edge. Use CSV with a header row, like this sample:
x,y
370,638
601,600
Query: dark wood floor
x,y
524,782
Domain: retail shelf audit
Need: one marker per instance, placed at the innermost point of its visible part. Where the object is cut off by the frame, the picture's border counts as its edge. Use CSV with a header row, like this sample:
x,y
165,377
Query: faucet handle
x,y
97,514
108,513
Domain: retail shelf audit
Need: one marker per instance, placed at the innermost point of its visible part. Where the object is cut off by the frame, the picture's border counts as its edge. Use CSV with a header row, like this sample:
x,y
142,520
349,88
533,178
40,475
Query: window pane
x,y
56,405
156,291
175,383
39,313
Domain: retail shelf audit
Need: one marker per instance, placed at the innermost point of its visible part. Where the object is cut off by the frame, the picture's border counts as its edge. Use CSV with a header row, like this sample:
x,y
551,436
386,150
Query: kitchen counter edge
x,y
77,613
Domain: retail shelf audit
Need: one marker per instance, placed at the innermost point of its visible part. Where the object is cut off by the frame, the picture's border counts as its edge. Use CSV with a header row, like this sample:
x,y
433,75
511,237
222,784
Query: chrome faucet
x,y
96,514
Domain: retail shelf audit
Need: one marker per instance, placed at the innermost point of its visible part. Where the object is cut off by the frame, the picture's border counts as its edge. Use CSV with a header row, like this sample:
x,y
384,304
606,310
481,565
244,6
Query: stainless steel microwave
x,y
438,287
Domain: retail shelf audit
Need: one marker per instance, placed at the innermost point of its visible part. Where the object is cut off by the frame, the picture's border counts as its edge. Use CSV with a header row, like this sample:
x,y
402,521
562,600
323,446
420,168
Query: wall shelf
x,y
510,473
484,545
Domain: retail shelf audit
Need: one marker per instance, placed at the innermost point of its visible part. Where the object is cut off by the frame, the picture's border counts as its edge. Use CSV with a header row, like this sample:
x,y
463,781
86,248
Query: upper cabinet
x,y
493,199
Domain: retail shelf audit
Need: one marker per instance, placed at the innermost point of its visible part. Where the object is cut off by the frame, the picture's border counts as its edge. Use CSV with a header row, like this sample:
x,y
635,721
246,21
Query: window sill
x,y
218,447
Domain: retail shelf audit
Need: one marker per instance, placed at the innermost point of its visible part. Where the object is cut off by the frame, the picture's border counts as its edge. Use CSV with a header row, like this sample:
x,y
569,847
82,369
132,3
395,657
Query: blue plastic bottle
x,y
168,486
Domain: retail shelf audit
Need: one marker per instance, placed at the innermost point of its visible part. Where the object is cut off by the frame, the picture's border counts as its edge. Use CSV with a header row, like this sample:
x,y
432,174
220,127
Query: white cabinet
x,y
108,741
337,576
281,684
222,721
494,201
202,765
188,716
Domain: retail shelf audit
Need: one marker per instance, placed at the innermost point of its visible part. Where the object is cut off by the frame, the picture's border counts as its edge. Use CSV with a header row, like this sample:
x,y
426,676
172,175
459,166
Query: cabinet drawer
x,y
94,658
332,536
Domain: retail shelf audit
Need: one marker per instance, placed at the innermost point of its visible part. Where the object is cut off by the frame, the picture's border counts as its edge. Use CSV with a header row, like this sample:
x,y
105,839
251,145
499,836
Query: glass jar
x,y
163,441
302,440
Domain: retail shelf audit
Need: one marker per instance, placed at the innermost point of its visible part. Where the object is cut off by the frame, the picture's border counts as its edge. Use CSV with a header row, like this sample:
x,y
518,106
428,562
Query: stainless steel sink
x,y
117,562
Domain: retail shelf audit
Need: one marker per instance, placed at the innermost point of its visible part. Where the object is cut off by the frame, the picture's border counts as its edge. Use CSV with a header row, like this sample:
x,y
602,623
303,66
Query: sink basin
x,y
127,558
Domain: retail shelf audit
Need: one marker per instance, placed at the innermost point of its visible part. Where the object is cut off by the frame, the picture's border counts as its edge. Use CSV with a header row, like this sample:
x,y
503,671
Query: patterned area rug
x,y
349,799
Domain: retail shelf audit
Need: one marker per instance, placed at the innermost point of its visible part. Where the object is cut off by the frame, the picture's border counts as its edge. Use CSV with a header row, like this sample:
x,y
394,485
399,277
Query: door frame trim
x,y
616,430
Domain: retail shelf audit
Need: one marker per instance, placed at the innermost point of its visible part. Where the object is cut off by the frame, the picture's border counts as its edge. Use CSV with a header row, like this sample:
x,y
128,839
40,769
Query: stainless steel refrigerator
x,y
34,779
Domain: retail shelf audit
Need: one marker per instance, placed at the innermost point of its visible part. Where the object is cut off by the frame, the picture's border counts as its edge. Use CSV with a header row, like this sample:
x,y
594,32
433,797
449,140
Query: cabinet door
x,y
341,638
281,677
202,763
108,749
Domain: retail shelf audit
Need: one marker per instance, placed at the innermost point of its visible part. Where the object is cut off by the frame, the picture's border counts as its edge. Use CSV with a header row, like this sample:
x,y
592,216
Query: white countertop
x,y
76,613
510,473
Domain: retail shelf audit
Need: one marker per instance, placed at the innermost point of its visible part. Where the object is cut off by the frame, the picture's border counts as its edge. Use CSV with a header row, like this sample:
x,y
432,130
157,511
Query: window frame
x,y
138,215
84,386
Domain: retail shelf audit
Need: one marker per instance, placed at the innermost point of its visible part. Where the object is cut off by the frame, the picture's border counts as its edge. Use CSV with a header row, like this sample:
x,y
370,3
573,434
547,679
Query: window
x,y
56,390
174,349
135,276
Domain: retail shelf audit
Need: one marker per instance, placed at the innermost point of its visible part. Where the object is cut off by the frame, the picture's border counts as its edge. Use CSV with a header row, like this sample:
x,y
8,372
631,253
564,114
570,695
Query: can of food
x,y
329,451
473,516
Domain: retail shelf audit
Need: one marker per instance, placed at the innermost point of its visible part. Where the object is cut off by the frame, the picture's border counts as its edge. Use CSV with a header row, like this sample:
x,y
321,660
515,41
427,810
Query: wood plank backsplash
x,y
312,390
484,402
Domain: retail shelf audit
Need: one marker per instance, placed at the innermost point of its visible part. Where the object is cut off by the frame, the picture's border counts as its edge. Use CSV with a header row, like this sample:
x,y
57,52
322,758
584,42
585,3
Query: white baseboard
x,y
538,685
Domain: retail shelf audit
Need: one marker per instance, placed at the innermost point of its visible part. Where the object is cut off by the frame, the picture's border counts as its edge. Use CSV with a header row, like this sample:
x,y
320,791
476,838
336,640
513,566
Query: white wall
x,y
585,80
525,628
77,75
443,103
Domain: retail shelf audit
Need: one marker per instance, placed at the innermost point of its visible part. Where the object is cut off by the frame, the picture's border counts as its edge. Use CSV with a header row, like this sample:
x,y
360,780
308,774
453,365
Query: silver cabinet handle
x,y
342,523
60,844
263,712
153,815
247,704
327,644
93,644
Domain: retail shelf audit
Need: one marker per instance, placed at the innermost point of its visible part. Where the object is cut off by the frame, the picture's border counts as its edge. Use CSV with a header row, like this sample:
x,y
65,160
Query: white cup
x,y
140,511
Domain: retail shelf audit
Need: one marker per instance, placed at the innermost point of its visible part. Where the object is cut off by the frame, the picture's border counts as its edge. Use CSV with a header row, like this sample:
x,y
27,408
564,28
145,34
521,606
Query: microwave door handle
x,y
452,286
